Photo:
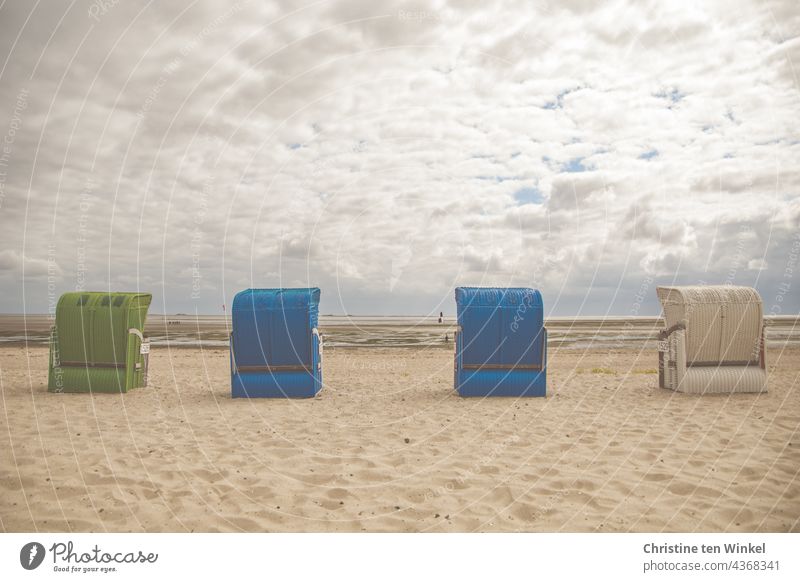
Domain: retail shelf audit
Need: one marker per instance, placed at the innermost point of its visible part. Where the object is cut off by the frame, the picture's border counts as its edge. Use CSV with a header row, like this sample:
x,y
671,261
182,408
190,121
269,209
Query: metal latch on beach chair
x,y
54,347
667,367
234,368
664,336
137,333
144,350
315,332
144,342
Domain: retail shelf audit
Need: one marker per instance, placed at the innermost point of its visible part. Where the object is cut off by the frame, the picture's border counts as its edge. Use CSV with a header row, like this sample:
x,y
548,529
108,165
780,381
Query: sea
x,y
344,331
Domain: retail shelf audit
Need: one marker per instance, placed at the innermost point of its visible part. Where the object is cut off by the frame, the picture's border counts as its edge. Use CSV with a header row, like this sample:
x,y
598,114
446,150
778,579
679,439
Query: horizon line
x,y
608,316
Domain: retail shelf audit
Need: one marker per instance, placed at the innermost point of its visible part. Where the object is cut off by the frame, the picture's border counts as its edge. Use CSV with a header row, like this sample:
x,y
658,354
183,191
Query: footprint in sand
x,y
210,476
682,488
315,479
284,452
337,493
658,477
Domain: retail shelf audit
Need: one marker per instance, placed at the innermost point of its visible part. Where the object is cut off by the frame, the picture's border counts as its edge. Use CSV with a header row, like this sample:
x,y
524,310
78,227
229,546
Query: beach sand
x,y
389,446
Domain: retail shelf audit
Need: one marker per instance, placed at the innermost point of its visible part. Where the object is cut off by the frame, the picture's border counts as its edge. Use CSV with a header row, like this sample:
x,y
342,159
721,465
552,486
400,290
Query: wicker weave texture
x,y
723,322
723,380
719,351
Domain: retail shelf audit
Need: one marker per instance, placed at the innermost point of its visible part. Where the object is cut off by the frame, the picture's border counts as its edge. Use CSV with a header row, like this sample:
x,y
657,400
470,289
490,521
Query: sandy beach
x,y
389,446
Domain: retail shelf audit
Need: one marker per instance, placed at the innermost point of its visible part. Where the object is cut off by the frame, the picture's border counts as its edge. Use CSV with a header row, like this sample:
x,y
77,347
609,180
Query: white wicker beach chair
x,y
714,340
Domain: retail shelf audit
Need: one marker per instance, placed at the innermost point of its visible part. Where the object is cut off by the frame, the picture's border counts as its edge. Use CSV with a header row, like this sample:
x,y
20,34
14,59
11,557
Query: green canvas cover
x,y
96,343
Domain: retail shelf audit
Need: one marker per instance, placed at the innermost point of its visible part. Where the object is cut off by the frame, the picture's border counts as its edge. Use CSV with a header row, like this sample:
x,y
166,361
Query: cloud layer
x,y
389,151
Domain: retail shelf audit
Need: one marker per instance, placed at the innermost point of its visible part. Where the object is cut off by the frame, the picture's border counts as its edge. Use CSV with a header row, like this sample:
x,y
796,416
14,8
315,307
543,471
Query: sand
x,y
388,446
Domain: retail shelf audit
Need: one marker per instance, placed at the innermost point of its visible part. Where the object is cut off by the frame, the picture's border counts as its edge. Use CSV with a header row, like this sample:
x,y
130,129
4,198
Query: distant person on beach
x,y
441,316
446,338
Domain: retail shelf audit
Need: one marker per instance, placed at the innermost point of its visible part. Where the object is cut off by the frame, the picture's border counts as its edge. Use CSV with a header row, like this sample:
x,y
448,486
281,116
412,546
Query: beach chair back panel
x,y
523,337
251,337
272,327
501,328
704,332
73,323
482,336
291,338
109,331
723,322
741,332
93,327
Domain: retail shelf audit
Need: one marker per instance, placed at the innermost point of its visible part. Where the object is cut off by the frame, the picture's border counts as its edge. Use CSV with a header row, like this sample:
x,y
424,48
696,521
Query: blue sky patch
x,y
648,155
559,102
528,195
672,94
576,165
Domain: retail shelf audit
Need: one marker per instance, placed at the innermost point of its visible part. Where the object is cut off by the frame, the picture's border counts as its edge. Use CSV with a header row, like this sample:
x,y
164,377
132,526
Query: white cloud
x,y
15,266
376,149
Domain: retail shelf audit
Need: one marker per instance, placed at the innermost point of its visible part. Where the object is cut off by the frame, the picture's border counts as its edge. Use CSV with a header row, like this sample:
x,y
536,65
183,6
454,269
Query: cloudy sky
x,y
390,151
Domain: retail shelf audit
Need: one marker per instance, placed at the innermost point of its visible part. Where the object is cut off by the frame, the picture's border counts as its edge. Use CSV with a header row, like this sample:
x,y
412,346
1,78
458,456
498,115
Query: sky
x,y
388,152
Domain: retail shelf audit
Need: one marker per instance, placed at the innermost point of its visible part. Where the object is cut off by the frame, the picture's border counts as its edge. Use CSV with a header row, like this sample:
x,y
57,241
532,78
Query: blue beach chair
x,y
501,342
276,349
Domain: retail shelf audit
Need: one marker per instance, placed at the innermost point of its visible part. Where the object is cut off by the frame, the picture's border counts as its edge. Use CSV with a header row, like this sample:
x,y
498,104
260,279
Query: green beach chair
x,y
97,343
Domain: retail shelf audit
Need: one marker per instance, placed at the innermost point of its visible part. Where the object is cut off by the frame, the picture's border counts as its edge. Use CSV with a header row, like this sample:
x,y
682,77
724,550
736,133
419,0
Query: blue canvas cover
x,y
275,345
501,345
